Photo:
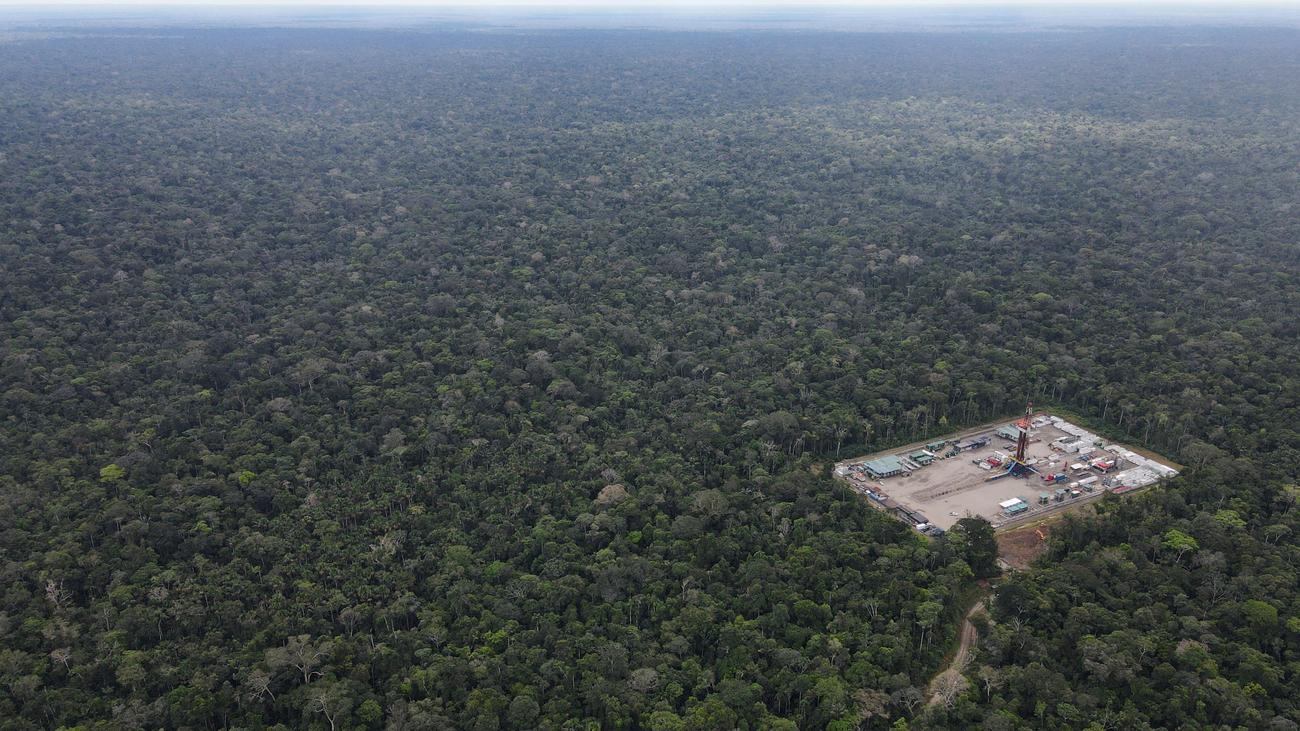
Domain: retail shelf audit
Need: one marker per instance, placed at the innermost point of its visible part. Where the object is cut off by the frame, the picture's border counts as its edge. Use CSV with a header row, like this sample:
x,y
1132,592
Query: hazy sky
x,y
652,4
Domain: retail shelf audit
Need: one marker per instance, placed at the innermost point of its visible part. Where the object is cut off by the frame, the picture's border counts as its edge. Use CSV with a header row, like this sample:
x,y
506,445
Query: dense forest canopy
x,y
418,380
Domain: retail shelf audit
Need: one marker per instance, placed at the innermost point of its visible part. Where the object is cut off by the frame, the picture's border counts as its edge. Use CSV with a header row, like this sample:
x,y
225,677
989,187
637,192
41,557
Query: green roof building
x,y
1010,431
884,467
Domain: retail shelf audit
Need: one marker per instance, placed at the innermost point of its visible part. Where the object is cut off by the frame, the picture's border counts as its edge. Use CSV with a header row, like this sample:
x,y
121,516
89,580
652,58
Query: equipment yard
x,y
1008,473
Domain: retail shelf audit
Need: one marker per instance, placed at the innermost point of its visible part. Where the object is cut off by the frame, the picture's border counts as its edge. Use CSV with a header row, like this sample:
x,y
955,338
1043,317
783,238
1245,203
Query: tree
x,y
948,686
871,704
331,700
665,721
370,713
300,653
61,655
523,712
1179,542
973,540
927,616
991,679
1260,616
111,473
907,699
258,684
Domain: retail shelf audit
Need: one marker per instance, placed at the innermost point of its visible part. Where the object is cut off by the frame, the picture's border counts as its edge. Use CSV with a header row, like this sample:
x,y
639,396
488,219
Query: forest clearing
x,y
1019,546
987,472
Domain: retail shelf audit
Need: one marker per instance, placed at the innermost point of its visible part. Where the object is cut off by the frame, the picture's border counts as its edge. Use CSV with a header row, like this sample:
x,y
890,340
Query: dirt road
x,y
950,679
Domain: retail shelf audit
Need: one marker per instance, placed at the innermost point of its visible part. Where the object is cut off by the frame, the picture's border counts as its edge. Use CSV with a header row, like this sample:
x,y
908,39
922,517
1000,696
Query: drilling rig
x,y
1017,466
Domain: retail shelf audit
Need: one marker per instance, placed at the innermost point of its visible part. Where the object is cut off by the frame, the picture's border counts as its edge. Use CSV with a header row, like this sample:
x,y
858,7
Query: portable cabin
x,y
1014,506
1103,465
921,457
968,444
884,467
1066,444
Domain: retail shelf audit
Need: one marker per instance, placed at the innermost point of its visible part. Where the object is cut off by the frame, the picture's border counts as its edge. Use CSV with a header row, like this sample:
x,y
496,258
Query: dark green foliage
x,y
972,540
1166,611
479,380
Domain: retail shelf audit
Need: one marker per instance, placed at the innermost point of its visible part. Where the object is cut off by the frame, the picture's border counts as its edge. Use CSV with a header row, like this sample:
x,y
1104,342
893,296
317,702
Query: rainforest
x,y
448,378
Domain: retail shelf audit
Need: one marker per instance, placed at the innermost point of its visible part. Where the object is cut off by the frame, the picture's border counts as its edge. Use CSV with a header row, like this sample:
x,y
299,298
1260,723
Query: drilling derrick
x,y
1017,466
1023,442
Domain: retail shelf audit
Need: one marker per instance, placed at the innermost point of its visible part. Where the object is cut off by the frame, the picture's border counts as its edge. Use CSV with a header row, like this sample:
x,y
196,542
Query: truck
x,y
1058,477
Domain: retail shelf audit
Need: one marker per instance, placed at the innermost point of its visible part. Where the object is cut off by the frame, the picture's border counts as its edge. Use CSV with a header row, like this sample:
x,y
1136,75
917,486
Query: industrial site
x,y
1007,473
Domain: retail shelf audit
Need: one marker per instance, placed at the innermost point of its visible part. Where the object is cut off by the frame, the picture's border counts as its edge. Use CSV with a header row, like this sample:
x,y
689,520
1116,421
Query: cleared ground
x,y
953,487
1019,546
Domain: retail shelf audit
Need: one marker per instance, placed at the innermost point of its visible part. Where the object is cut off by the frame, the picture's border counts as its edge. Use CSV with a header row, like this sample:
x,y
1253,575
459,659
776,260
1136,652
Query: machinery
x,y
1017,466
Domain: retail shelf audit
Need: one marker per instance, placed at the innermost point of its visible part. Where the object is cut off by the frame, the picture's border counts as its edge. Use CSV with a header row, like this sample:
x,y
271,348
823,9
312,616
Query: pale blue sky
x,y
666,4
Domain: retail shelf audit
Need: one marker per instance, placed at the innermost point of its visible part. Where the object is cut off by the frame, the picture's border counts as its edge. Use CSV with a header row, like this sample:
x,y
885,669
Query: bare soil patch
x,y
1020,546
